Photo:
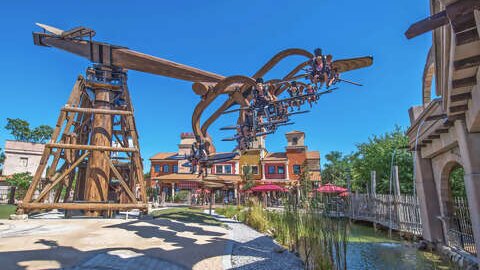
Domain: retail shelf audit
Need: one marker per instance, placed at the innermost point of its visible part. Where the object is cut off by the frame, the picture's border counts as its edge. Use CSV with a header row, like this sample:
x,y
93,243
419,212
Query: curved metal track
x,y
238,90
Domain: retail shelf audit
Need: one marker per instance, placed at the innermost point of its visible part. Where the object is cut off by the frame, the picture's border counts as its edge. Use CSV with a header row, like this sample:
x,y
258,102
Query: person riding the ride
x,y
294,92
328,71
311,94
317,65
193,157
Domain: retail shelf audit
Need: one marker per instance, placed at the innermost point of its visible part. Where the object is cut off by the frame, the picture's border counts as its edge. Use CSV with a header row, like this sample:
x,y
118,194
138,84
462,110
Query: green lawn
x,y
187,215
6,210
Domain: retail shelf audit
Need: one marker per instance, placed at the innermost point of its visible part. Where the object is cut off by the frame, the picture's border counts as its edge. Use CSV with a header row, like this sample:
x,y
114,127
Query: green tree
x,y
21,131
2,159
376,155
336,168
305,183
41,134
457,182
21,181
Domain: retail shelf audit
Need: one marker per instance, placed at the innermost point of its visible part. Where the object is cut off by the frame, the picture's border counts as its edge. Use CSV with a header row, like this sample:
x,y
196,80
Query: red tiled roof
x,y
294,132
163,155
313,155
276,156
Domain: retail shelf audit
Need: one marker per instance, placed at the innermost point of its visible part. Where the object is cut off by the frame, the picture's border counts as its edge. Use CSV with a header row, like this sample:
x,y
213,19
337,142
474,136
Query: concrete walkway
x,y
110,244
116,244
250,249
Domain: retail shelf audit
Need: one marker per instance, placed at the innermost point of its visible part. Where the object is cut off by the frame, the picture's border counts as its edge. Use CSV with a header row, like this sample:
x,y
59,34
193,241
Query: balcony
x,y
275,176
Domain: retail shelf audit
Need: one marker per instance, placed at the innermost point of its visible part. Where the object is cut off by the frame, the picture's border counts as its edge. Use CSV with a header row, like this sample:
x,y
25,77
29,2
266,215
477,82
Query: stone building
x,y
22,157
445,130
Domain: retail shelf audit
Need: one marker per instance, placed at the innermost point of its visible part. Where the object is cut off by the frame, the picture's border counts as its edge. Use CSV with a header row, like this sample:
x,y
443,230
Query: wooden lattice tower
x,y
94,151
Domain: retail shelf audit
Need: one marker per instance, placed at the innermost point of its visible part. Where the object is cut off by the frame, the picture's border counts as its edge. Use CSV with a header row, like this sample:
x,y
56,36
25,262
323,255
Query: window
x,y
271,169
175,168
294,141
165,168
246,170
254,169
281,170
296,169
224,169
157,168
24,161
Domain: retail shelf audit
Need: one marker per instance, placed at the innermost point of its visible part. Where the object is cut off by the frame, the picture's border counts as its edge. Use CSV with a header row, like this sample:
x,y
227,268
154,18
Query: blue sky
x,y
228,38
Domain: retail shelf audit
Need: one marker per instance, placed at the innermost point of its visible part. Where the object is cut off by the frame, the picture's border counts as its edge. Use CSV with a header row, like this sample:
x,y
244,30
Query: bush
x,y
256,216
229,211
21,181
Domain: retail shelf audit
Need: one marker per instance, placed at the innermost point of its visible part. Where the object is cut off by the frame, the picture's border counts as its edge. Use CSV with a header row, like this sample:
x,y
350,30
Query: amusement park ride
x,y
94,151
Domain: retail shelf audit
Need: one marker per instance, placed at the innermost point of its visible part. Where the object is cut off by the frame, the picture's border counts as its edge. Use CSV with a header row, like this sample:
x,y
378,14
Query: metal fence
x,y
460,233
399,213
4,192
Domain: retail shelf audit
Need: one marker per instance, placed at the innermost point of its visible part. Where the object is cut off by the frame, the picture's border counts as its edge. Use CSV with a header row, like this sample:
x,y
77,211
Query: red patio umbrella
x,y
268,187
330,188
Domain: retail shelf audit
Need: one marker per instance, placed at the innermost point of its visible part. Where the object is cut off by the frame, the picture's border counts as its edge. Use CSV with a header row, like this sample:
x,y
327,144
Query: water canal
x,y
370,249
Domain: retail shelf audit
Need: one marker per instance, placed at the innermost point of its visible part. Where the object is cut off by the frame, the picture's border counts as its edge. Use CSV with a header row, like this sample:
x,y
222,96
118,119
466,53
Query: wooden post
x,y
396,197
396,181
373,182
373,175
98,170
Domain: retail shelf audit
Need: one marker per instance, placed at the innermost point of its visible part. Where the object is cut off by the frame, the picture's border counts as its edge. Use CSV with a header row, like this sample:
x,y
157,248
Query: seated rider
x,y
334,76
311,94
328,70
294,91
318,64
194,157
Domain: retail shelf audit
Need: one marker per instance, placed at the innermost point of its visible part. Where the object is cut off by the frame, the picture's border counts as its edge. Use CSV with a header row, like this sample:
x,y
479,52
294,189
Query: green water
x,y
369,249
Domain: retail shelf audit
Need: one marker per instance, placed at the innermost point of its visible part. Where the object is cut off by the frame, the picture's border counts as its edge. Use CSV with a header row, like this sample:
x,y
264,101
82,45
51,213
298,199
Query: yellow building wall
x,y
251,158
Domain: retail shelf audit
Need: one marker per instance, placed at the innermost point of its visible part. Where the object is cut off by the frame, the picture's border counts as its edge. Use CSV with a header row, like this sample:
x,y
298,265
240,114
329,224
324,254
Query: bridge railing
x,y
401,213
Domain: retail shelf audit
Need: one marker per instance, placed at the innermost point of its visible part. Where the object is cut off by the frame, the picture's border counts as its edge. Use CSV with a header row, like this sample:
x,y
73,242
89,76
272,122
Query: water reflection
x,y
368,249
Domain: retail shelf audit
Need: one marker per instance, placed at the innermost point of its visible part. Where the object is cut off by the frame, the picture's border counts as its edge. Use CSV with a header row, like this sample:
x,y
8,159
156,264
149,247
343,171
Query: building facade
x,y
445,130
22,157
258,165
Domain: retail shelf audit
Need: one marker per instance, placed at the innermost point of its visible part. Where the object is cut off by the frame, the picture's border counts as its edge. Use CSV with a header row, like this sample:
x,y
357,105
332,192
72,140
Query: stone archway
x,y
455,212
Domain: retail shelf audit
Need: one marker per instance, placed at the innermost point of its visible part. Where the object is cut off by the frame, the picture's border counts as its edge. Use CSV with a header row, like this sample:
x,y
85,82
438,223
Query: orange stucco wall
x,y
295,157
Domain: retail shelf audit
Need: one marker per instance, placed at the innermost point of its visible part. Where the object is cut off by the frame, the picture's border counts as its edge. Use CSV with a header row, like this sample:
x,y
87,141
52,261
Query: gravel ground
x,y
253,250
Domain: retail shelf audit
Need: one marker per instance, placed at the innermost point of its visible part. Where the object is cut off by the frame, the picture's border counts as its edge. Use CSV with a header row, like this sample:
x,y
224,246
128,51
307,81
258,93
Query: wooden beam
x,y
84,206
465,82
459,108
458,14
108,54
60,178
433,136
467,37
467,62
427,24
441,130
97,111
463,22
120,178
90,147
461,97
